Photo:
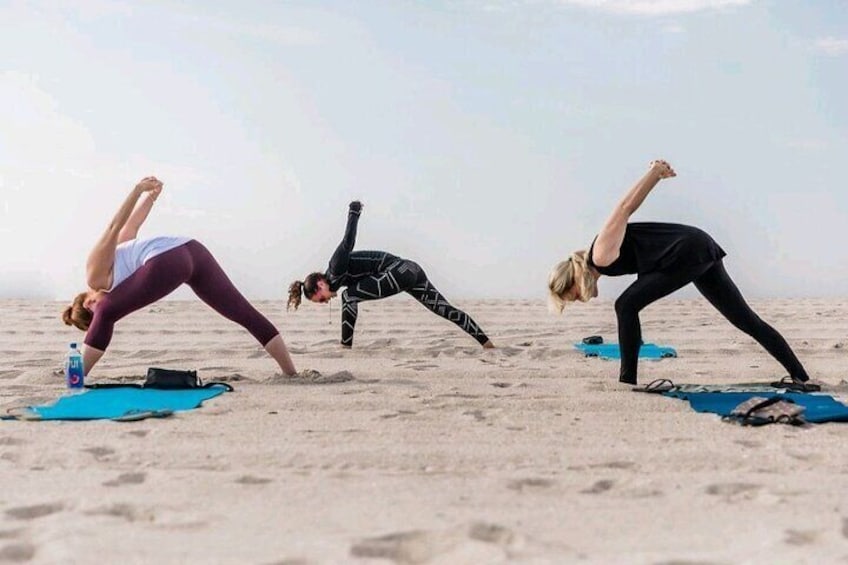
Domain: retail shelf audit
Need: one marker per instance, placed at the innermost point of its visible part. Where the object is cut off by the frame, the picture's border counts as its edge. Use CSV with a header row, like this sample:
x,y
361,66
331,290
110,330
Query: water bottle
x,y
74,368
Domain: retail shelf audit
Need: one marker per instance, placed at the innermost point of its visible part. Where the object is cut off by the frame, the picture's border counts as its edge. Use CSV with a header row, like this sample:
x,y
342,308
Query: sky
x,y
487,138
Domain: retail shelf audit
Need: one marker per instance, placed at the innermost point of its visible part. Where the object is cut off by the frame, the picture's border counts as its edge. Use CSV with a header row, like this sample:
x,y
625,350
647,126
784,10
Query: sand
x,y
430,450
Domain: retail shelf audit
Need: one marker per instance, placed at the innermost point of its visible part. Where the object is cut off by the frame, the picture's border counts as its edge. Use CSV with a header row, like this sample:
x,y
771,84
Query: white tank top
x,y
131,255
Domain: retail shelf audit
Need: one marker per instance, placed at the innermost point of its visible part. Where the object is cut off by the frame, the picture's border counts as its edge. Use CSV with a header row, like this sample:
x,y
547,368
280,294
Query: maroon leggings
x,y
192,264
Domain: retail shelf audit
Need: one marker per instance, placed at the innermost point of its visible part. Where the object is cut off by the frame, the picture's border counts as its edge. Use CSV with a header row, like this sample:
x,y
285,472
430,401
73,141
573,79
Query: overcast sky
x,y
487,138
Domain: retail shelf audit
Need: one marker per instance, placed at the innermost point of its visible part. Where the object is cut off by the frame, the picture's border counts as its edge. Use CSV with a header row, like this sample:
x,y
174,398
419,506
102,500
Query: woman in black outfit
x,y
371,275
665,258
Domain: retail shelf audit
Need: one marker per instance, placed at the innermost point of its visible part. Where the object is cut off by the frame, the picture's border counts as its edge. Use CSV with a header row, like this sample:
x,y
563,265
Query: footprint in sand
x,y
310,377
250,480
509,351
100,452
599,487
530,484
10,534
122,510
11,441
380,343
492,533
126,479
33,512
146,354
801,537
478,415
810,456
17,553
405,547
433,352
398,414
732,489
748,443
645,493
614,465
459,395
138,433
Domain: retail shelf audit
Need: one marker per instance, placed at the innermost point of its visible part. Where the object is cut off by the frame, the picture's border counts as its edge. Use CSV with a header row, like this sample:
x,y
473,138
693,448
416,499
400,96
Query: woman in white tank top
x,y
124,274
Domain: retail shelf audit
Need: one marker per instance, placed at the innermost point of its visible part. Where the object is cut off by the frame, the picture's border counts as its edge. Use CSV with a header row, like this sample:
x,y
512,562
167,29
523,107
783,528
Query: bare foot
x,y
662,168
489,345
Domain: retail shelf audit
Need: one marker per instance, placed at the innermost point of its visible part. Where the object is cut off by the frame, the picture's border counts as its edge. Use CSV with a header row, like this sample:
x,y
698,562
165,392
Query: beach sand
x,y
434,451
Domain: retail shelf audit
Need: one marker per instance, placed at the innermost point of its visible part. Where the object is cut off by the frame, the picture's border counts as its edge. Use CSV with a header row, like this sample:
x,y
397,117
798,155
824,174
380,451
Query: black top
x,y
347,266
652,246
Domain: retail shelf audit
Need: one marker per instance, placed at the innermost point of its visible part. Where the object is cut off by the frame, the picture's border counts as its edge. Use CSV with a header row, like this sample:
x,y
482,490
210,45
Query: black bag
x,y
166,379
176,379
171,378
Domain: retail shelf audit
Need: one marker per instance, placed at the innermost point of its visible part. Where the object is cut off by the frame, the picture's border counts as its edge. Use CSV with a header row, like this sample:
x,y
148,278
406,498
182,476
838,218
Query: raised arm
x,y
608,243
139,215
102,256
341,257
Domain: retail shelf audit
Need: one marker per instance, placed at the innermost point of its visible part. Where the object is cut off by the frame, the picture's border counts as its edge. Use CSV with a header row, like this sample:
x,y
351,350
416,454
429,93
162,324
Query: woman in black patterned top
x,y
371,275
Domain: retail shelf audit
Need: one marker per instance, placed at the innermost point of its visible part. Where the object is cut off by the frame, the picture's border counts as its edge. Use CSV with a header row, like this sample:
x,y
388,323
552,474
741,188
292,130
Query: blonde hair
x,y
76,314
574,270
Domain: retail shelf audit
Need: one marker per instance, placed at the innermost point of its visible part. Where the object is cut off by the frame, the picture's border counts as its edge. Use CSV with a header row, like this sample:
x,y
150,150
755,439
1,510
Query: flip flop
x,y
759,411
657,386
593,340
136,415
789,383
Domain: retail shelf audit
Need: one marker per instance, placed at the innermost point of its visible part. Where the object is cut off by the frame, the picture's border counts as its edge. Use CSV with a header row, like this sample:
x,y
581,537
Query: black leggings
x,y
192,264
712,280
402,276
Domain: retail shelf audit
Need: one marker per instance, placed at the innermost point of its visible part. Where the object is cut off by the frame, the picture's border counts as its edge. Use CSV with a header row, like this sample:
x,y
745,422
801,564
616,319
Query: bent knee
x,y
624,305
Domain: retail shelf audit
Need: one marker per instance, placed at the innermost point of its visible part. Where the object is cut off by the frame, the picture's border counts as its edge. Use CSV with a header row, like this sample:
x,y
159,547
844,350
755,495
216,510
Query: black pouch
x,y
166,379
171,378
176,379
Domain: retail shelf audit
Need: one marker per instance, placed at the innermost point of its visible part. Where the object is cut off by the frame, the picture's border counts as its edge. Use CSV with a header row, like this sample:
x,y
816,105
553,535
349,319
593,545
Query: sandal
x,y
759,411
657,386
789,383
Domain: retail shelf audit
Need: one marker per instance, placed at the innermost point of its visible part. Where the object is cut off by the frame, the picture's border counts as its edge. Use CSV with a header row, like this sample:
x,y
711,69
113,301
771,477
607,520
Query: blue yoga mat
x,y
122,403
611,351
818,408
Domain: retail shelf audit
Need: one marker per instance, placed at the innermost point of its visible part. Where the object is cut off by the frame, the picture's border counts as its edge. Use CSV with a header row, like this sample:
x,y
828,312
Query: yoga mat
x,y
611,351
819,408
120,403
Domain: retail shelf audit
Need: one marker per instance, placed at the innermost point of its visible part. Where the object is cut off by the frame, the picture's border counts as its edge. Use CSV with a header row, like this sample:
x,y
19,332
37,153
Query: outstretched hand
x,y
662,168
355,206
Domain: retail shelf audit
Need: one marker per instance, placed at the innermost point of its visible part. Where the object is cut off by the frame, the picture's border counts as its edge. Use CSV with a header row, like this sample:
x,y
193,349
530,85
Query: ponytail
x,y
587,281
295,293
573,271
66,316
77,314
